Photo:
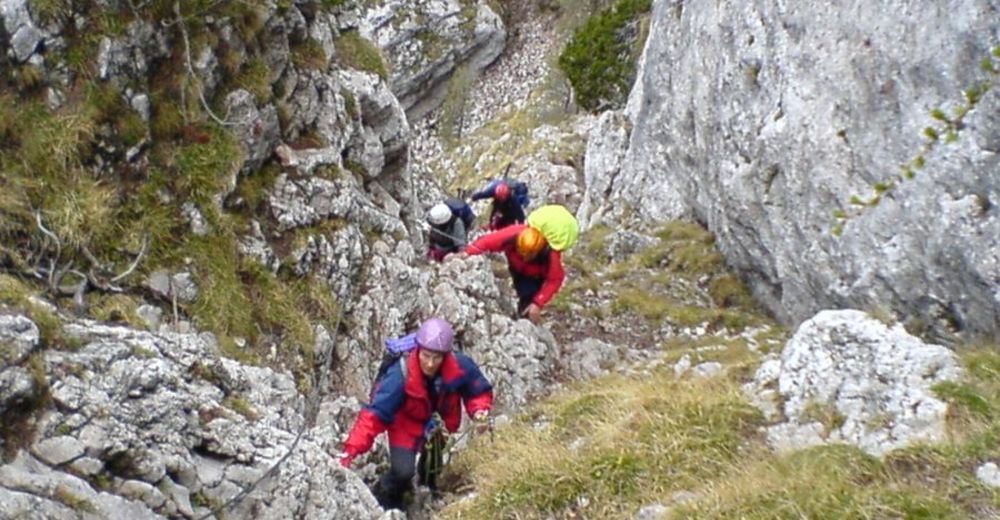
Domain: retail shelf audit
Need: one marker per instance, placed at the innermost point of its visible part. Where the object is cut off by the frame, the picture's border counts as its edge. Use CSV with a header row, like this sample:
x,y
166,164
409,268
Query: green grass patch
x,y
355,52
19,295
309,55
239,298
204,168
635,442
453,108
116,308
241,406
679,279
608,447
254,187
255,77
657,309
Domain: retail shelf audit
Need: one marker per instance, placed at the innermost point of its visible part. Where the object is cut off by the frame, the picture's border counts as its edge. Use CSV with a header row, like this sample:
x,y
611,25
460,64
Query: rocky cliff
x,y
844,156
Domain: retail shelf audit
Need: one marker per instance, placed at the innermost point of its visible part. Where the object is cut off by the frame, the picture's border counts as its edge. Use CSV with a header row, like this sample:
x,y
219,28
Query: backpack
x,y
520,191
396,351
557,225
460,209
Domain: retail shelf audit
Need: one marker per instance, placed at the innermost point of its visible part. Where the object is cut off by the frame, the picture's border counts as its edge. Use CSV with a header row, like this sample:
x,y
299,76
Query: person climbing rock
x,y
450,222
417,401
510,197
534,255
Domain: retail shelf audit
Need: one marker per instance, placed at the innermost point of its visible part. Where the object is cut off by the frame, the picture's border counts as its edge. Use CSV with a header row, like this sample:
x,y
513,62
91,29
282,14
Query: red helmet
x,y
502,192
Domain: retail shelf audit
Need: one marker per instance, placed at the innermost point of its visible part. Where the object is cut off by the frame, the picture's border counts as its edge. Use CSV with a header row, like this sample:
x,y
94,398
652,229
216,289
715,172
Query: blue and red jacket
x,y
403,406
510,211
548,265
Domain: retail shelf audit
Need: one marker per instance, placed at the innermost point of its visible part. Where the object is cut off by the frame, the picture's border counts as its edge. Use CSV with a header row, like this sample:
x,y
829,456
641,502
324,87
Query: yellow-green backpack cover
x,y
557,225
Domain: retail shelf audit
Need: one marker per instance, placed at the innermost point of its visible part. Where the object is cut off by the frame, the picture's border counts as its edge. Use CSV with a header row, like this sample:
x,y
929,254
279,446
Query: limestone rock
x,y
428,41
780,137
846,377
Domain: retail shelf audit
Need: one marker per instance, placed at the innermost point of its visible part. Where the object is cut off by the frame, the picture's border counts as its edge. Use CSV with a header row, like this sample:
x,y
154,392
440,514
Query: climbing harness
x,y
439,446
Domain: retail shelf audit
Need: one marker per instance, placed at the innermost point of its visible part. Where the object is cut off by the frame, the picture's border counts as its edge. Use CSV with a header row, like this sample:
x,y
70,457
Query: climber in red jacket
x,y
535,268
413,400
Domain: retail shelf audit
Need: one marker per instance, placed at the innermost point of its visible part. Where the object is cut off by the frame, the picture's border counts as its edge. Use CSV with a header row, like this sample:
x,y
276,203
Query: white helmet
x,y
439,214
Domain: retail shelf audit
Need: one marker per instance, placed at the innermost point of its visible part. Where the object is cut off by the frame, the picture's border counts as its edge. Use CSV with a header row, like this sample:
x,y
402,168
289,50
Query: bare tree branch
x,y
194,77
55,259
142,252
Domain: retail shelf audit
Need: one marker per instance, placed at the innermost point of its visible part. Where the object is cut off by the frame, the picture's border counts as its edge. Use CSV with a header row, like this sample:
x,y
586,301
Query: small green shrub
x,y
600,58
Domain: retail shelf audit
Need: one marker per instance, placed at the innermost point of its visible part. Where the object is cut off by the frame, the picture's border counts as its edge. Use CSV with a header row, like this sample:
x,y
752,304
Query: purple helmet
x,y
435,334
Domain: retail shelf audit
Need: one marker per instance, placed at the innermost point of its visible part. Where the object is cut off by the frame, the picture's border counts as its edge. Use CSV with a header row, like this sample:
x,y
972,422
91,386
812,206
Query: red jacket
x,y
505,240
403,407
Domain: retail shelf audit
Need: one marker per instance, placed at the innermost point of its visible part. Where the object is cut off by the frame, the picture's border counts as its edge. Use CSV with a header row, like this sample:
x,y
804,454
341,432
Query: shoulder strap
x,y
402,366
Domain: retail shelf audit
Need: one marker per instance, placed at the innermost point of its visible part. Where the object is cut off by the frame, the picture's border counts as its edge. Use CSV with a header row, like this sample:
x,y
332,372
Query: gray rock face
x,y
606,148
989,474
160,418
307,201
382,142
256,129
18,337
169,286
846,377
130,55
761,118
426,41
24,35
591,358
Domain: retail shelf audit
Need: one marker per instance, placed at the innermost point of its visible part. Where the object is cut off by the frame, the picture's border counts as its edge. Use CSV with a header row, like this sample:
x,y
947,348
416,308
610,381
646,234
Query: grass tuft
x,y
355,52
616,442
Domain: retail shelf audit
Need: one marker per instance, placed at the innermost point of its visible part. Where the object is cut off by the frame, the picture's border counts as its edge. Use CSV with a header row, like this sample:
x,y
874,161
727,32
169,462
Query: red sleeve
x,y
553,280
366,428
483,401
493,242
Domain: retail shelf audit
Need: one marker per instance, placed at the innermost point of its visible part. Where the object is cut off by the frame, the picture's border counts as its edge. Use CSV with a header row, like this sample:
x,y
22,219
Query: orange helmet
x,y
530,242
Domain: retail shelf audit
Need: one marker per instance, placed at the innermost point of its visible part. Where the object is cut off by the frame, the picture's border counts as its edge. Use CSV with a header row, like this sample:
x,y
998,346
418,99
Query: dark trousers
x,y
526,288
396,482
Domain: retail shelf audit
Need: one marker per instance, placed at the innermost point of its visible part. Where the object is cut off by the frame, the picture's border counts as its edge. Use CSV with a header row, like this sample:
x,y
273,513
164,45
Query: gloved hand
x,y
434,426
482,420
346,459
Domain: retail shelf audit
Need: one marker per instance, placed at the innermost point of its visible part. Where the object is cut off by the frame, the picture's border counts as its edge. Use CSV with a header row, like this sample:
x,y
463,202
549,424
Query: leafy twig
x,y
944,128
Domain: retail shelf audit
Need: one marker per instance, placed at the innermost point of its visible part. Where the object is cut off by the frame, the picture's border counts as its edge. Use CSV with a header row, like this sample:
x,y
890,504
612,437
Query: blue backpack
x,y
462,210
520,191
396,350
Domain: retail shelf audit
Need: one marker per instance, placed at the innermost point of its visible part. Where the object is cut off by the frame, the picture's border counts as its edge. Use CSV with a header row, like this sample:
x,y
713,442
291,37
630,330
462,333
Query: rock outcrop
x,y
161,426
846,377
761,119
427,42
